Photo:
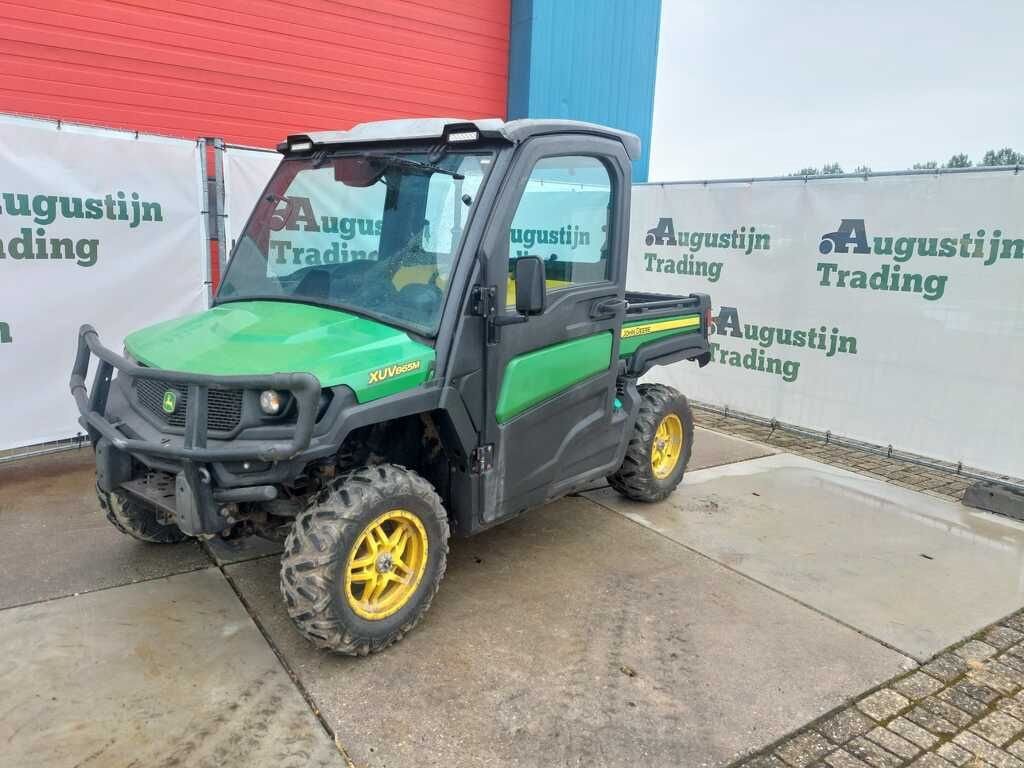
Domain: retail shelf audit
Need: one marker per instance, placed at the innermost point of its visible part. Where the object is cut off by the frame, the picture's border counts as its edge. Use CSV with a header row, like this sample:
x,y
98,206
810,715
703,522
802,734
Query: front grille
x,y
223,406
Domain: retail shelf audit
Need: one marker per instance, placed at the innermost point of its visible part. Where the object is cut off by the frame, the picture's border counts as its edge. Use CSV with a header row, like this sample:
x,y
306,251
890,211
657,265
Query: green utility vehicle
x,y
423,330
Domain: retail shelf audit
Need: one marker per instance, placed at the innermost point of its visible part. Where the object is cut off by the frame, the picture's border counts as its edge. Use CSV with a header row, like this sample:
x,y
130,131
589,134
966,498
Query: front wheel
x,y
363,561
138,520
659,448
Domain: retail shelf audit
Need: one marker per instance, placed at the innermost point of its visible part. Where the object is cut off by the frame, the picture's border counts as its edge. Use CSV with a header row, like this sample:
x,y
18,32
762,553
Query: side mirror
x,y
531,290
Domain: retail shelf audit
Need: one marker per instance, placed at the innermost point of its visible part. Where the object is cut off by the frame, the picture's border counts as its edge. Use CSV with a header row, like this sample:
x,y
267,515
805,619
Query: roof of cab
x,y
514,131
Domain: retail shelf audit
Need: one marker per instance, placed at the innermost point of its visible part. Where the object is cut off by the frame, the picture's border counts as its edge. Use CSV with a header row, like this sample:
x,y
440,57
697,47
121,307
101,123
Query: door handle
x,y
605,308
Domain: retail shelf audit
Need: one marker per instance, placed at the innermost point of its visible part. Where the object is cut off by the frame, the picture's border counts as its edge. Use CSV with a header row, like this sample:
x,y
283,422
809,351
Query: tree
x,y
1004,156
828,169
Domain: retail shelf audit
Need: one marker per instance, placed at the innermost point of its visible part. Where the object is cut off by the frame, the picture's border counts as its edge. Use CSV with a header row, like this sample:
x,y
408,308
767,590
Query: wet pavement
x,y
166,672
915,572
55,542
765,593
572,636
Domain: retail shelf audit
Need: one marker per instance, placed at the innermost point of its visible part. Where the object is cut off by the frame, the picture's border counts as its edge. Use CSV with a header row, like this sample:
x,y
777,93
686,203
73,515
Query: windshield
x,y
371,233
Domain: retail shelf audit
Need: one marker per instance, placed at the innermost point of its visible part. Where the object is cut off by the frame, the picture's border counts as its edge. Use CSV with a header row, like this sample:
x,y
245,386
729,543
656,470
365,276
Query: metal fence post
x,y
213,174
221,197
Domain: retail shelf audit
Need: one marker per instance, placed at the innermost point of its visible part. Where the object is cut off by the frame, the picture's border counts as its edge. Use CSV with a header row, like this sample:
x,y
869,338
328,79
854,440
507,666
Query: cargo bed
x,y
659,329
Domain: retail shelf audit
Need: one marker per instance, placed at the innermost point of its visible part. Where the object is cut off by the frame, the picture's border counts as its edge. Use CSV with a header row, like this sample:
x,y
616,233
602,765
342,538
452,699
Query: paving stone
x,y
930,760
1015,663
982,693
895,743
913,732
1009,671
917,685
1002,637
883,704
1014,622
765,761
954,754
998,727
843,759
961,700
872,754
947,710
990,754
947,667
1012,706
804,749
845,725
996,676
1016,749
975,650
931,722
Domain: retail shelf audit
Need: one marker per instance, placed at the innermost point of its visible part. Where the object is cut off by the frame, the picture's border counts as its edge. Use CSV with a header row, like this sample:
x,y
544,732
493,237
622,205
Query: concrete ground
x,y
769,591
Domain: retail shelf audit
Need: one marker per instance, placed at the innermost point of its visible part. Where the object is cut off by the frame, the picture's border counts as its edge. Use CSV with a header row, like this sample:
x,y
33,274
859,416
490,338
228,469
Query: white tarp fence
x,y
888,309
96,226
246,173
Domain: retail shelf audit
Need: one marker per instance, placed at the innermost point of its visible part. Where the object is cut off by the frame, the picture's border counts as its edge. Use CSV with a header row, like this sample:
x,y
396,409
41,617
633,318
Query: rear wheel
x,y
659,449
138,520
363,561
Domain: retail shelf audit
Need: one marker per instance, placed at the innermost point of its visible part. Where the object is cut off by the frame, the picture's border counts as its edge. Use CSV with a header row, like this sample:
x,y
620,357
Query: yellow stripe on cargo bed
x,y
629,331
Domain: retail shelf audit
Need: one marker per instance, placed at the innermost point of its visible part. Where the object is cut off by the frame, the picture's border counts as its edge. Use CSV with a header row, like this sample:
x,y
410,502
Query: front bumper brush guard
x,y
196,501
92,405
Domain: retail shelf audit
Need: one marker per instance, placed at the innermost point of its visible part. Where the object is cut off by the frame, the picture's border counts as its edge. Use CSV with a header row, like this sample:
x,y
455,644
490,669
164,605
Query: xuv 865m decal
x,y
389,371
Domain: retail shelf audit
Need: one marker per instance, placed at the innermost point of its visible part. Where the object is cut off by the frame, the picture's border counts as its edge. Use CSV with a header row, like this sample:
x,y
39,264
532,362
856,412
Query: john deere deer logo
x,y
170,401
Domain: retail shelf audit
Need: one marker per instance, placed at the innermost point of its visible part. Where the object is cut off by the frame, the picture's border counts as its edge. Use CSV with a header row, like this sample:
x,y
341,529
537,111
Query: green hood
x,y
263,337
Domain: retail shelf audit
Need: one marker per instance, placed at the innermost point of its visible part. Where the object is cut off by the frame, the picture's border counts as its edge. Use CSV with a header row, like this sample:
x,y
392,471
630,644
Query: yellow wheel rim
x,y
668,444
386,565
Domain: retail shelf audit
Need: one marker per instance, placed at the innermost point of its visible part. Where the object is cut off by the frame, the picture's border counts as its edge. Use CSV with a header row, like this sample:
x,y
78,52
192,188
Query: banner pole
x,y
221,205
204,177
214,212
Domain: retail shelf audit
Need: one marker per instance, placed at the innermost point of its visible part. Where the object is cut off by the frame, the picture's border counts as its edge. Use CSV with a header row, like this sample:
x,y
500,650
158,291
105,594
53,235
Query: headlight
x,y
271,402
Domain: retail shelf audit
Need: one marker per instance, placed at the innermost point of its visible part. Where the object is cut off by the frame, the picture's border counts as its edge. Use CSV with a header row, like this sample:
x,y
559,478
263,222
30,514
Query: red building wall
x,y
252,71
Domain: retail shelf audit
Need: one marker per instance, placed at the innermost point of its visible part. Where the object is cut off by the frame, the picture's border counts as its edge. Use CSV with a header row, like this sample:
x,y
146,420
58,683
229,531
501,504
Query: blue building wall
x,y
586,60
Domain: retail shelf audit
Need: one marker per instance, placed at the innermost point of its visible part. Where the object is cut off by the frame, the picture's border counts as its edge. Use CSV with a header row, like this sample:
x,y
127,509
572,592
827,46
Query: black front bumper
x,y
185,455
92,405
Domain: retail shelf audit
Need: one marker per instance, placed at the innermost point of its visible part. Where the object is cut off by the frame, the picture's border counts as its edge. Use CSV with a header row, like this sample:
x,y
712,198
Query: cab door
x,y
550,380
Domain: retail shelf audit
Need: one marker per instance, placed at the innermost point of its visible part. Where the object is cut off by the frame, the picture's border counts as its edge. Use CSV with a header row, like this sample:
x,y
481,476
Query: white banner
x,y
888,309
96,226
246,173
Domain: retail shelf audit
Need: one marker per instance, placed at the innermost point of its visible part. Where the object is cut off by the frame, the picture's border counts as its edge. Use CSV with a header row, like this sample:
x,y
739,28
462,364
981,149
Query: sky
x,y
767,87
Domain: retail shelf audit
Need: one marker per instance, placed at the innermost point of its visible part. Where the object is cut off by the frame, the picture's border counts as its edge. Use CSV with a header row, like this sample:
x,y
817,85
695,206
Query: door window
x,y
564,218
